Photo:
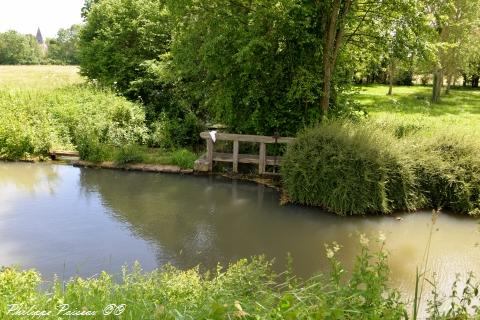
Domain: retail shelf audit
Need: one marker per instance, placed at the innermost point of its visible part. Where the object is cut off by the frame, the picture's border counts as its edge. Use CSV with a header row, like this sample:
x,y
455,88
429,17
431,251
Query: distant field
x,y
459,111
38,77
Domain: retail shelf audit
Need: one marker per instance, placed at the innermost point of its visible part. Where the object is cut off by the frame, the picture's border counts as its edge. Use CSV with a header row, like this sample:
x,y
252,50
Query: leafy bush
x,y
24,132
91,149
448,170
129,154
404,78
349,169
170,131
32,122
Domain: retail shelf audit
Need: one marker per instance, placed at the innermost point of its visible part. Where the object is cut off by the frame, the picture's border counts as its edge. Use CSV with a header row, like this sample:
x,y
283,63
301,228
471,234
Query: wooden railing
x,y
206,162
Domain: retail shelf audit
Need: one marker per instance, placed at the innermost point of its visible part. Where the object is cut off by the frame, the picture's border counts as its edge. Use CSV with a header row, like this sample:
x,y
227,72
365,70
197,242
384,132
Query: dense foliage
x,y
63,49
373,167
16,48
257,66
65,117
349,170
119,45
246,64
46,108
119,36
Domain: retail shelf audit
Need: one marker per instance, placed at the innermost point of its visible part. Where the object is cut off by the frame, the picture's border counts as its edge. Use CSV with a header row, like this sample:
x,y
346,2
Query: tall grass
x,y
34,121
379,166
349,169
246,289
38,77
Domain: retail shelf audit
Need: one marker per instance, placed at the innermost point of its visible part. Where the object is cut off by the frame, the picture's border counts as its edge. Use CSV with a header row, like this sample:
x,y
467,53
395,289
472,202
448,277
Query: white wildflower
x,y
332,250
336,247
364,240
330,253
381,237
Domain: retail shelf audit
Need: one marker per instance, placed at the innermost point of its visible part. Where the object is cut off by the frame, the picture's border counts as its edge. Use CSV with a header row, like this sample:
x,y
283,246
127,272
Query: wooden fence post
x,y
235,156
262,158
210,154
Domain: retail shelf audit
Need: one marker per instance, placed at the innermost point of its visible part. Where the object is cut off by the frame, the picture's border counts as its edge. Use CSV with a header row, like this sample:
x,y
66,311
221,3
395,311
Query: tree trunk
x,y
327,83
475,80
449,83
391,73
464,80
437,85
335,26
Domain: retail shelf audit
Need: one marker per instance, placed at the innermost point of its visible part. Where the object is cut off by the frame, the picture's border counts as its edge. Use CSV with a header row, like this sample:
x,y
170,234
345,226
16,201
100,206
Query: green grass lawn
x,y
38,77
459,111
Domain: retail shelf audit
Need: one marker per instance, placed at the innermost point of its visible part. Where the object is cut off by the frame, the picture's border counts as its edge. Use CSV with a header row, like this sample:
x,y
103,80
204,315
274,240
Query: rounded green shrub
x,y
448,170
349,169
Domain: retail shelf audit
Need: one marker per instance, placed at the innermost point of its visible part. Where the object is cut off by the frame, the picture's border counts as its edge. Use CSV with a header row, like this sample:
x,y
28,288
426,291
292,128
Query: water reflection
x,y
100,219
207,220
34,178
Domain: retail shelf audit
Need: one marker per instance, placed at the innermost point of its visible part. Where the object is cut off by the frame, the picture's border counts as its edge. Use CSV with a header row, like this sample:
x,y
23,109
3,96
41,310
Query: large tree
x,y
120,35
258,66
265,66
453,22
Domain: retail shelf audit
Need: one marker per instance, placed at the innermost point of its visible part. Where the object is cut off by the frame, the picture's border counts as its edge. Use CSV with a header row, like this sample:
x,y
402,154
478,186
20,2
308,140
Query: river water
x,y
69,221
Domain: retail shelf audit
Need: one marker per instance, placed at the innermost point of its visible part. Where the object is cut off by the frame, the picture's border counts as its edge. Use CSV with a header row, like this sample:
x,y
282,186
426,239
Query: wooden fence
x,y
205,163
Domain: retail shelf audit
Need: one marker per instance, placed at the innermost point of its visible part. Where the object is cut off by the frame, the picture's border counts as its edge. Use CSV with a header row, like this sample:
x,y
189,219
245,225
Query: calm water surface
x,y
69,221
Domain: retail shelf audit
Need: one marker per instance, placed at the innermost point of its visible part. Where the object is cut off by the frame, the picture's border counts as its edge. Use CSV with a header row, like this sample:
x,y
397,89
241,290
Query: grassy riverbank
x,y
407,154
244,290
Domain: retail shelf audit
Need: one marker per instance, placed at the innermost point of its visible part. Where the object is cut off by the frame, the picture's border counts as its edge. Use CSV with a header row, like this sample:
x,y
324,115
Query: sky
x,y
25,16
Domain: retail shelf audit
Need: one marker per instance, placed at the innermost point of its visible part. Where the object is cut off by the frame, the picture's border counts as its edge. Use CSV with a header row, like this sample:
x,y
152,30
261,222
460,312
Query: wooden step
x,y
247,158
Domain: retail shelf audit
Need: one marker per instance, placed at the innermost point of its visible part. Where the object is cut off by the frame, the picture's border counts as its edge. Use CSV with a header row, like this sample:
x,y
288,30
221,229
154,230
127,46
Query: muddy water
x,y
69,221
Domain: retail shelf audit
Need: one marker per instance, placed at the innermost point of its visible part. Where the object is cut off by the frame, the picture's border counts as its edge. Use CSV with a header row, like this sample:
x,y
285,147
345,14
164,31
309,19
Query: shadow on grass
x,y
417,100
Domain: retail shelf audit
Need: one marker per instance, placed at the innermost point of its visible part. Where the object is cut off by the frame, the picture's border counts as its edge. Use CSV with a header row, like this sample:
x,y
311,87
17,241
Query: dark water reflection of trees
x,y
205,220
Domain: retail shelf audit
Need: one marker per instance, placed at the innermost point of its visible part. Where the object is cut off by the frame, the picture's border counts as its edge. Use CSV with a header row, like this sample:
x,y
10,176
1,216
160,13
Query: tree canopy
x,y
16,48
264,67
64,48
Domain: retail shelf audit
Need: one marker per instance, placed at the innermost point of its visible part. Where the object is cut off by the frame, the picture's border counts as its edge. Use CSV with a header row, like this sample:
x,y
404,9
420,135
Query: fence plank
x,y
247,138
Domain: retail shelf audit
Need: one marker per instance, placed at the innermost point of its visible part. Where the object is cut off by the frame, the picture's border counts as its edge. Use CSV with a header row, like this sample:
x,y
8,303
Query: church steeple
x,y
39,36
